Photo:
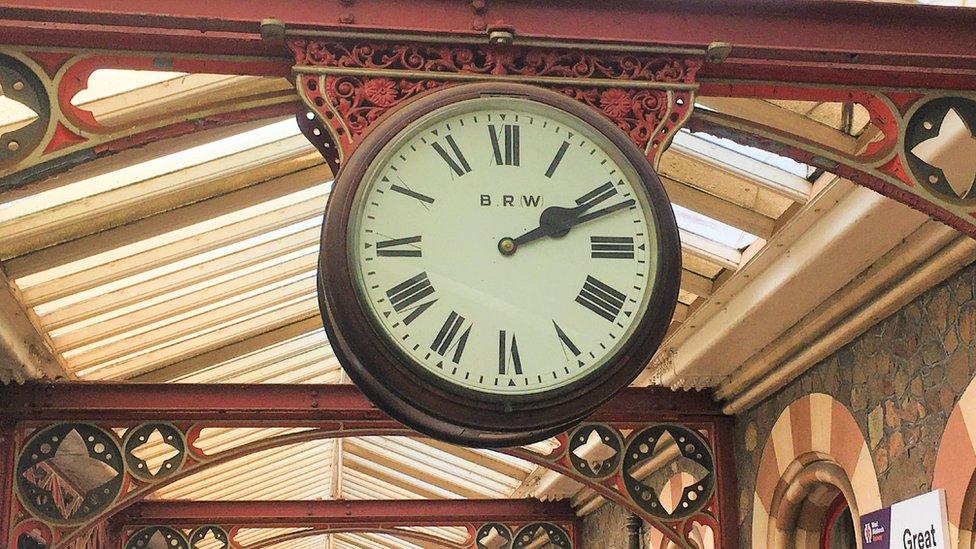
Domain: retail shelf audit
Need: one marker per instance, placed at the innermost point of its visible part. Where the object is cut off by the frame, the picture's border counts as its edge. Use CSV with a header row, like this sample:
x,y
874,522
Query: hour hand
x,y
556,221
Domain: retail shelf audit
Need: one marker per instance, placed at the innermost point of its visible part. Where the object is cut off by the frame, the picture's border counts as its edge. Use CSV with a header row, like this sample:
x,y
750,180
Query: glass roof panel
x,y
711,229
14,114
772,159
108,82
151,168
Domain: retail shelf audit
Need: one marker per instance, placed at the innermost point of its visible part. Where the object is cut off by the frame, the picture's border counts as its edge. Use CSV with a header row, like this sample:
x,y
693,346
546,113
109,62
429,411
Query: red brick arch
x,y
814,451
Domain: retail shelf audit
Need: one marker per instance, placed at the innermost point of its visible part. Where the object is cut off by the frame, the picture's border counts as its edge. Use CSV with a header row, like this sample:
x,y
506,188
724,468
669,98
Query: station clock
x,y
497,261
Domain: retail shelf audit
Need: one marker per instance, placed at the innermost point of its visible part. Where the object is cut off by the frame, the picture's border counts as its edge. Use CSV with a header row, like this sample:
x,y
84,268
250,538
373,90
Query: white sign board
x,y
917,523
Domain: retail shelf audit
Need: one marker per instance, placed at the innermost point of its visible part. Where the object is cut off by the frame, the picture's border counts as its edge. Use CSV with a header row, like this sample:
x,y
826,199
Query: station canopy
x,y
193,259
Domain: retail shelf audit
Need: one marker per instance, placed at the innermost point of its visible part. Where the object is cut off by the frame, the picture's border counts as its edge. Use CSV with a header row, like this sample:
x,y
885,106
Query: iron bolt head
x,y
501,37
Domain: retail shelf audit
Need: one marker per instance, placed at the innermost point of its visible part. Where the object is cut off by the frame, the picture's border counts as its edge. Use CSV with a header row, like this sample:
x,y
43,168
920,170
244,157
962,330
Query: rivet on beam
x,y
272,29
718,52
501,37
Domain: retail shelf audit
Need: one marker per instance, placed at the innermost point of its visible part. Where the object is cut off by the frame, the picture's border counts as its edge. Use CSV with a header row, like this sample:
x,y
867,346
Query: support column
x,y
635,531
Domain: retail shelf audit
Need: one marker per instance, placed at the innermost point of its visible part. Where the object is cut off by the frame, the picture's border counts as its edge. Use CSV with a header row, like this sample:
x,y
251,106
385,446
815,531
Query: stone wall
x,y
900,379
606,528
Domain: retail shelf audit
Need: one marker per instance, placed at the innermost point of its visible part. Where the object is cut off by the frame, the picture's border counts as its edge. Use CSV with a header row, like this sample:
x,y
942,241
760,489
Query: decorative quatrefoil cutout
x,y
157,537
669,471
14,115
541,535
154,451
595,450
24,111
209,537
940,144
493,535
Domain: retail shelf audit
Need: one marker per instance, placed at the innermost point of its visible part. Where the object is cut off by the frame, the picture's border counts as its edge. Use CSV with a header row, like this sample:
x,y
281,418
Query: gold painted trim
x,y
482,40
477,77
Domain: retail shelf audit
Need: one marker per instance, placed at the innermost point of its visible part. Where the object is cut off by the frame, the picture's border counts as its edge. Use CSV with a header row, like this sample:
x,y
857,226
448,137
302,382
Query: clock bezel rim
x,y
457,413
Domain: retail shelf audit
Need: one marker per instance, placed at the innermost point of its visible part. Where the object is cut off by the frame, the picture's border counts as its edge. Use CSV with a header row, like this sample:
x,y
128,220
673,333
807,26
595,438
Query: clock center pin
x,y
507,246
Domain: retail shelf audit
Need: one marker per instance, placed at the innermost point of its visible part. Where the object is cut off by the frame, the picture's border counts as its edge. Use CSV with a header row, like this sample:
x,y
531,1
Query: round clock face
x,y
497,261
502,245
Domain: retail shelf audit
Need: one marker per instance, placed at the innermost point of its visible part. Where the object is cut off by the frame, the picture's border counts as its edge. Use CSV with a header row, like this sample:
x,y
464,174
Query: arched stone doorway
x,y
815,472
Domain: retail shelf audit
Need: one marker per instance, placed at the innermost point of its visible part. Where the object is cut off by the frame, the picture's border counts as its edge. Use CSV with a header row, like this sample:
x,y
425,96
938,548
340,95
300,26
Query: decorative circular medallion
x,y
70,472
19,83
680,471
542,534
154,451
497,261
153,537
595,450
211,537
940,146
493,535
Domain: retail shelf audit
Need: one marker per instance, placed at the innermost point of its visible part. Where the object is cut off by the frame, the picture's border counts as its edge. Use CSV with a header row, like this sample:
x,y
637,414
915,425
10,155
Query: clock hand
x,y
603,212
556,221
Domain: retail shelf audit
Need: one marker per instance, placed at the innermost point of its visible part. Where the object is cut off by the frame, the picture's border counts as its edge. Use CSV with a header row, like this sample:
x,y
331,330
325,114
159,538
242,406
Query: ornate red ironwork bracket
x,y
919,148
350,85
663,456
63,133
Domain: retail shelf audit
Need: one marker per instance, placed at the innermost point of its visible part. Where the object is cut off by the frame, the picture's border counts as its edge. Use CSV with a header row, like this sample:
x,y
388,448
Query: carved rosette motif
x,y
352,85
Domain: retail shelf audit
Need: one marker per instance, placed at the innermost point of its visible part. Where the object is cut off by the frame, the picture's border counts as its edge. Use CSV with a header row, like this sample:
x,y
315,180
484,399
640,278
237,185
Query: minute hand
x,y
600,213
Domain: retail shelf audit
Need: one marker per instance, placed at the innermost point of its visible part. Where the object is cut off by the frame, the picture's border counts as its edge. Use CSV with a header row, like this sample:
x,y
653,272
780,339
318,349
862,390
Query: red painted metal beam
x,y
280,403
793,40
294,514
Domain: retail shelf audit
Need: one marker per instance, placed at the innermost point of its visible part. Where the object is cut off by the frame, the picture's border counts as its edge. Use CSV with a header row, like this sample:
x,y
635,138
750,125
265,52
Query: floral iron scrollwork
x,y
351,85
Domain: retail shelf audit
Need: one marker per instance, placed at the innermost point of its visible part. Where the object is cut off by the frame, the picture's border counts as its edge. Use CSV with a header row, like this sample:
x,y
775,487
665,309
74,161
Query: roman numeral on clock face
x,y
409,293
505,144
601,298
444,341
399,247
455,159
612,247
557,159
597,195
508,351
564,340
408,192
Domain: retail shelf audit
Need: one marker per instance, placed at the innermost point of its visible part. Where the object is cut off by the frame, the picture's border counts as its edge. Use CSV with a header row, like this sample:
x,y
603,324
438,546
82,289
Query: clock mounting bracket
x,y
348,85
